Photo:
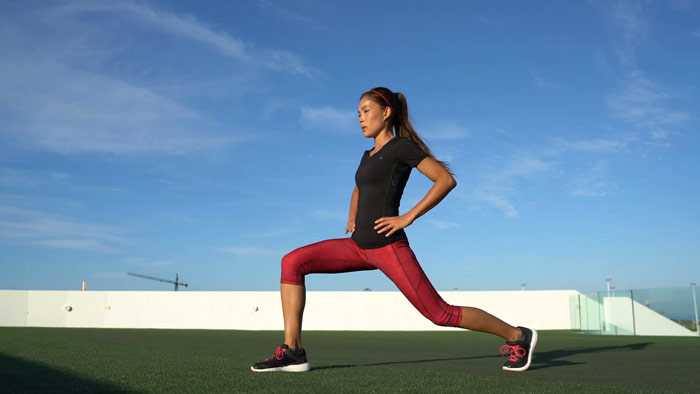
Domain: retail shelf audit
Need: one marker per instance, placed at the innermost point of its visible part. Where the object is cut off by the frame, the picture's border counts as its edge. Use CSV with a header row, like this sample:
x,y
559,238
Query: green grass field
x,y
188,361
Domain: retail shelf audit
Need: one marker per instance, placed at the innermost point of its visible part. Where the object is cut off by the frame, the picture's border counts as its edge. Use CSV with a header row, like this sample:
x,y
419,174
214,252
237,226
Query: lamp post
x,y
695,304
608,280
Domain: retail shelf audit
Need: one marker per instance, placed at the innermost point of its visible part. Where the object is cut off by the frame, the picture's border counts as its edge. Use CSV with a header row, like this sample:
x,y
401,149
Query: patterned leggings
x,y
396,261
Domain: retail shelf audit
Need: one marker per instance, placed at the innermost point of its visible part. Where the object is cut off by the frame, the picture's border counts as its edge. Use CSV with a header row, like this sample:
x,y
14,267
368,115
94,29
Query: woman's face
x,y
373,117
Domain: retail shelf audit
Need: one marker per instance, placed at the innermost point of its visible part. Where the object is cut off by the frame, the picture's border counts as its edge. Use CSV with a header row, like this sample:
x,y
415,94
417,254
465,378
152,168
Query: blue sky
x,y
210,138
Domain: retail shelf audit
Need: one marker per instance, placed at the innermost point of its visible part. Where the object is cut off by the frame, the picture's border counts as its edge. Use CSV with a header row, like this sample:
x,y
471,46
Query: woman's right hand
x,y
350,227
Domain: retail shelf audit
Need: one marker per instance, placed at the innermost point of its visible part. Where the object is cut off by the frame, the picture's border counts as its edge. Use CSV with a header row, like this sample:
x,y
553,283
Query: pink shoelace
x,y
279,354
516,352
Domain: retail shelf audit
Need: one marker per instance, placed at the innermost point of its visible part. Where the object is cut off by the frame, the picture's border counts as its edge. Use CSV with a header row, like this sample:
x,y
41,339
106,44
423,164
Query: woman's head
x,y
387,104
375,118
391,109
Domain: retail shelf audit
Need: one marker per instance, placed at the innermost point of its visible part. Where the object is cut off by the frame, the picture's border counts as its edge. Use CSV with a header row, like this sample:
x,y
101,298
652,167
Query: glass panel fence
x,y
667,311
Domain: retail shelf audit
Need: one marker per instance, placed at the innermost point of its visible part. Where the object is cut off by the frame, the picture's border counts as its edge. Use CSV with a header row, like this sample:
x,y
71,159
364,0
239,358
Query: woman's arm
x,y
443,183
350,228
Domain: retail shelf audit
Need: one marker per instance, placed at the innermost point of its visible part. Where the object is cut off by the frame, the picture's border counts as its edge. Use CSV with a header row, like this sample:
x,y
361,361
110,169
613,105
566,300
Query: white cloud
x,y
57,95
274,232
285,14
328,118
323,214
594,183
110,275
443,225
40,228
281,60
643,104
446,132
543,83
600,145
519,167
639,101
660,134
69,111
185,26
630,25
175,186
146,263
189,27
28,178
496,186
250,251
90,245
496,200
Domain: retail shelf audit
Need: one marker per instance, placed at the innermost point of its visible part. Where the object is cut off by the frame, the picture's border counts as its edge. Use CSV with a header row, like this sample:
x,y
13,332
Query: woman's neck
x,y
381,139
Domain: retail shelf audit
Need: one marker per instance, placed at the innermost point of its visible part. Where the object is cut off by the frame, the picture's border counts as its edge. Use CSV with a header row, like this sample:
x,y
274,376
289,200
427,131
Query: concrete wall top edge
x,y
277,291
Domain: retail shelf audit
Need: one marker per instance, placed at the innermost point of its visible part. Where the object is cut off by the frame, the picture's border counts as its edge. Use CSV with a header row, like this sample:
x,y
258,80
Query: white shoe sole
x,y
529,355
289,368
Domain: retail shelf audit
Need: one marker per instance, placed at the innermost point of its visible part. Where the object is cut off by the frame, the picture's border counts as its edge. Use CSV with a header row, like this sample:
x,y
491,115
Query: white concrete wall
x,y
372,311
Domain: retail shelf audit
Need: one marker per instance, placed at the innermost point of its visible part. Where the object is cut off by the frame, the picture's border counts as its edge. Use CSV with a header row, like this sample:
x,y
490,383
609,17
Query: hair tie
x,y
382,96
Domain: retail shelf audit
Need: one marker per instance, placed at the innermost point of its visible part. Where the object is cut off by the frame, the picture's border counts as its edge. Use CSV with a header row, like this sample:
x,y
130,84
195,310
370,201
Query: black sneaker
x,y
285,359
520,352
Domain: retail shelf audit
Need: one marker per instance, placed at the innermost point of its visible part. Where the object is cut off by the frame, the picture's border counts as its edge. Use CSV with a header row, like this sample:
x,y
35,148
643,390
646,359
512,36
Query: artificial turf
x,y
70,360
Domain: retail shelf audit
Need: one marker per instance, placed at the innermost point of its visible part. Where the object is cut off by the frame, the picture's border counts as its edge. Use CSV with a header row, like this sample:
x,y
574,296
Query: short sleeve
x,y
409,152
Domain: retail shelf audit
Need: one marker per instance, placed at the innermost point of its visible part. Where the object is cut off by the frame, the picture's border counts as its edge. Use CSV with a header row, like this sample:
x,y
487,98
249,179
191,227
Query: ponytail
x,y
400,121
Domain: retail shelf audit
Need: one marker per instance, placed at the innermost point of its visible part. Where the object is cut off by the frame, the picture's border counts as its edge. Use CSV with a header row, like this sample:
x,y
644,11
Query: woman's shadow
x,y
541,360
557,358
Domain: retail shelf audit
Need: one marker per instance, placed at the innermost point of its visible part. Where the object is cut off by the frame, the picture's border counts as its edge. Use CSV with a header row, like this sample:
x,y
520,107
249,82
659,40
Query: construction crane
x,y
176,282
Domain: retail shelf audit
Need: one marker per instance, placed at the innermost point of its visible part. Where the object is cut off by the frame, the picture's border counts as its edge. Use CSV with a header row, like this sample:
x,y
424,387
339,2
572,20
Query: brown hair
x,y
399,120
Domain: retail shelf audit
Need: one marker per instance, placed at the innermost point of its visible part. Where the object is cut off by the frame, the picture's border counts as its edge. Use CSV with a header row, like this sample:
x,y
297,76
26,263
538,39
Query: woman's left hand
x,y
392,224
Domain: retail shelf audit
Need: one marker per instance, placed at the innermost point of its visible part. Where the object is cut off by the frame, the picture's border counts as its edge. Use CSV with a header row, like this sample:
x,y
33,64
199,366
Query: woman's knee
x,y
292,272
446,316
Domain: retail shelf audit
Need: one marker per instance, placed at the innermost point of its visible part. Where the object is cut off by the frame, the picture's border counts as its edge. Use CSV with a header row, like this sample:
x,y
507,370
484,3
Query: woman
x,y
379,242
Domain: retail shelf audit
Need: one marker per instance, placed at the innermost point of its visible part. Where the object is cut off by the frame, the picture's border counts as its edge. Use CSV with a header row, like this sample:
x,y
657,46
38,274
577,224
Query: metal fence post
x,y
695,304
600,319
580,316
634,323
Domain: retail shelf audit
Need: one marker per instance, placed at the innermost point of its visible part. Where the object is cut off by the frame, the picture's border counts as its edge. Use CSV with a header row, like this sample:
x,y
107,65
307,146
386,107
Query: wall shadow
x,y
22,376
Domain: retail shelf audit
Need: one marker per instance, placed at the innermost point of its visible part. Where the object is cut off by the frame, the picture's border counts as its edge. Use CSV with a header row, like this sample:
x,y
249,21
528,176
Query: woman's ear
x,y
387,113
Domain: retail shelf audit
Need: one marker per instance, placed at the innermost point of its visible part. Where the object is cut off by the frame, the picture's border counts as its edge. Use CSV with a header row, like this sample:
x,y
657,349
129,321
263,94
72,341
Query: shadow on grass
x,y
542,360
21,376
402,362
555,358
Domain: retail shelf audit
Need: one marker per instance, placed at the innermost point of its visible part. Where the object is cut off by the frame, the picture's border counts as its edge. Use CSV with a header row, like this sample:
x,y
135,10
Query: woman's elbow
x,y
450,182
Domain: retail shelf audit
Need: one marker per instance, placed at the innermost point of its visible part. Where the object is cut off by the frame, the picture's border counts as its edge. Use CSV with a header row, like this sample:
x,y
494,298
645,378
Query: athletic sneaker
x,y
285,359
520,352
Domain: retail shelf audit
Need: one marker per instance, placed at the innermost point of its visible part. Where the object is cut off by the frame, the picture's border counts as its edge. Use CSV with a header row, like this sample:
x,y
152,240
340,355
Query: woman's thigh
x,y
328,257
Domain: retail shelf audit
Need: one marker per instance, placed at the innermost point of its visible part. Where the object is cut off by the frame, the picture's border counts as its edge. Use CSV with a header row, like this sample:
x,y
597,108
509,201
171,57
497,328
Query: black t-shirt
x,y
380,180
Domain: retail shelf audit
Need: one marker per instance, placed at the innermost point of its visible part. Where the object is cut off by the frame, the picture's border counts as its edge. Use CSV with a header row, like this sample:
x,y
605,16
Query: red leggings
x,y
396,261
